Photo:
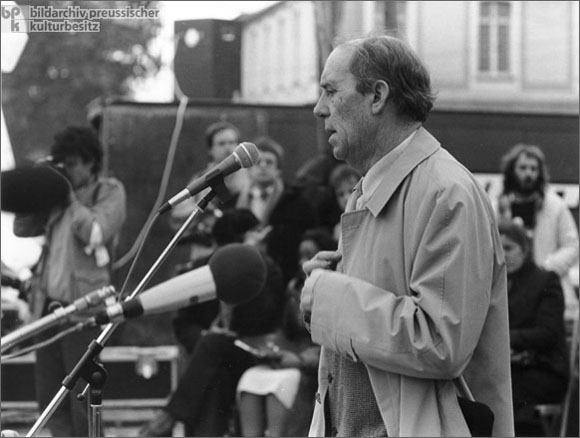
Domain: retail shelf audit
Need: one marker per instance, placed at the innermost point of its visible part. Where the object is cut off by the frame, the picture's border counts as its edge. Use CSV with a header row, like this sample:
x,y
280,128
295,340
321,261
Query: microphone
x,y
33,189
91,299
235,274
244,155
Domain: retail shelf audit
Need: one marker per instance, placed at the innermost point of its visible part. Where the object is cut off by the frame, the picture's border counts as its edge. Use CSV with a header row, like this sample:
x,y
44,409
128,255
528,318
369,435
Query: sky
x,y
184,10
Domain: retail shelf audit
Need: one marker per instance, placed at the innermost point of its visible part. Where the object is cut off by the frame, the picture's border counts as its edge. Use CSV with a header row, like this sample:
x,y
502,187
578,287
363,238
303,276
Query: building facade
x,y
484,55
279,55
499,56
504,71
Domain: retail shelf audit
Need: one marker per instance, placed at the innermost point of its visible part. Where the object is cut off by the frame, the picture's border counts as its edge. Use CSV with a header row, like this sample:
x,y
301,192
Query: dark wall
x,y
479,140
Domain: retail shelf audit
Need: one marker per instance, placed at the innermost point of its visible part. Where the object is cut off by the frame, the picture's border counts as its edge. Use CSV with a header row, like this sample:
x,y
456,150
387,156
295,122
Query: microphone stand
x,y
58,316
94,373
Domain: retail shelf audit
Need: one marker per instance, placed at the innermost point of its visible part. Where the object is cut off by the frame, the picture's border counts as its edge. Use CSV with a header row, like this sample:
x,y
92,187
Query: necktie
x,y
355,197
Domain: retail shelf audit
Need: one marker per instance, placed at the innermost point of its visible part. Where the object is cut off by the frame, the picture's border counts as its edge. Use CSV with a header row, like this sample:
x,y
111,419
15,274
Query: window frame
x,y
494,23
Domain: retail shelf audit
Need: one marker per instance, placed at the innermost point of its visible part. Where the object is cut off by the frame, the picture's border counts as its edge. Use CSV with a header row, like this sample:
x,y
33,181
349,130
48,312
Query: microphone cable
x,y
134,250
183,101
77,327
141,241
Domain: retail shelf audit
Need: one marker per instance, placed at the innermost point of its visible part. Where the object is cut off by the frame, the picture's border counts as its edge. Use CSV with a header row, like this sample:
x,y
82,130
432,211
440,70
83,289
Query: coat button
x,y
318,399
330,378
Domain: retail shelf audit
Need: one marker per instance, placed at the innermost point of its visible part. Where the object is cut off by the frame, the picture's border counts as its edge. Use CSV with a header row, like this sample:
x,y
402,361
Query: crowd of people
x,y
390,275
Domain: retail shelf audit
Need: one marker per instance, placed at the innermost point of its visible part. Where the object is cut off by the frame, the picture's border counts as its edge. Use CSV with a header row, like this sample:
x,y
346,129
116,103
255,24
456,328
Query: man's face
x,y
265,171
345,111
224,143
527,173
78,172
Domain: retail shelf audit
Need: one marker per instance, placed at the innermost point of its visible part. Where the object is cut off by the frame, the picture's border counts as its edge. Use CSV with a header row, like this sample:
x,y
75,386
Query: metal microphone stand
x,y
94,373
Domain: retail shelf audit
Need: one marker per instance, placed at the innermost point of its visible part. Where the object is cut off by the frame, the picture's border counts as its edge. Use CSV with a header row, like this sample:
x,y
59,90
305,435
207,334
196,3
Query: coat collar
x,y
401,163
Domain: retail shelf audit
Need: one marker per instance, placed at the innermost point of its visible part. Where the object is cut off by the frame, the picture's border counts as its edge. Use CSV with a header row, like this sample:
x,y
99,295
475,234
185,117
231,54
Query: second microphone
x,y
236,273
245,155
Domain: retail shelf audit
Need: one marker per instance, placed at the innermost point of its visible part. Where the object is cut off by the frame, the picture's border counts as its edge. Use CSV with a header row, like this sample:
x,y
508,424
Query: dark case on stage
x,y
138,377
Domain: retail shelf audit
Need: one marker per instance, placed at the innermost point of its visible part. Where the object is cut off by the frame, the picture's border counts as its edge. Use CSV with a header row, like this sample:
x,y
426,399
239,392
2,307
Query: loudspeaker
x,y
207,58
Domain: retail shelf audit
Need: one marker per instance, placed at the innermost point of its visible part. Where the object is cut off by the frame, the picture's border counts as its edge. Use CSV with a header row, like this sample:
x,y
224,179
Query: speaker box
x,y
137,377
207,58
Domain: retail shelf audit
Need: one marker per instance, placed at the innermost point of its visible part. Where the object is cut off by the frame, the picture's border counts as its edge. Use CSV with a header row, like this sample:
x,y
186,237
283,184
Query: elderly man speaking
x,y
415,296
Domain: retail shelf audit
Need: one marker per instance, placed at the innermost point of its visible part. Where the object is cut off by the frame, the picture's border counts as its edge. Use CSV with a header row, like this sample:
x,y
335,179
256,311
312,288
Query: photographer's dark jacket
x,y
66,271
536,309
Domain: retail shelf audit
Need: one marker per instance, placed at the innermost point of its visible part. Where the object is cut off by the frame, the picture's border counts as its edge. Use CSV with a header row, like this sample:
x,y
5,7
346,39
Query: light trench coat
x,y
419,297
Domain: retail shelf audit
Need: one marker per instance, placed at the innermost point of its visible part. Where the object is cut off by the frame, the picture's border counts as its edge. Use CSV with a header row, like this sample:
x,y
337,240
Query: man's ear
x,y
381,93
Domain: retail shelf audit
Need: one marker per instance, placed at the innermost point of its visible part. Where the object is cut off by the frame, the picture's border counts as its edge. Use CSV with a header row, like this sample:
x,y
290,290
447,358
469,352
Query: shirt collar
x,y
374,176
397,165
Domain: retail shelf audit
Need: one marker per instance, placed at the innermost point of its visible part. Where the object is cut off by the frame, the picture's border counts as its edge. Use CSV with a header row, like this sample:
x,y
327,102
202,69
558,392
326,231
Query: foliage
x,y
59,74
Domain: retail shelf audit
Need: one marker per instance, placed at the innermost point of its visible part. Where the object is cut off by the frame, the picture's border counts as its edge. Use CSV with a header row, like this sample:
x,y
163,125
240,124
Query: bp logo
x,y
15,18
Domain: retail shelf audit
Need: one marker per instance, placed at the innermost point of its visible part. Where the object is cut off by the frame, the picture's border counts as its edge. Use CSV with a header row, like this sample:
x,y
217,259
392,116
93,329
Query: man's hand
x,y
322,260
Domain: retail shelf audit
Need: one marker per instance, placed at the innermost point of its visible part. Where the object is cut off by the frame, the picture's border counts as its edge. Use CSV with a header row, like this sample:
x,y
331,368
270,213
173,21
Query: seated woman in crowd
x,y
539,361
283,387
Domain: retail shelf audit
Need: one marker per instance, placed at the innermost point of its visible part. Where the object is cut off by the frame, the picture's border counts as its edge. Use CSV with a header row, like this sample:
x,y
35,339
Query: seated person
x,y
313,180
206,390
539,363
221,138
283,388
283,212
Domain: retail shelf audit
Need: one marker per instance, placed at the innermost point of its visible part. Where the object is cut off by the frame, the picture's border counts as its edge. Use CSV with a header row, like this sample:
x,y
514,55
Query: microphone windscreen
x,y
33,189
248,154
239,273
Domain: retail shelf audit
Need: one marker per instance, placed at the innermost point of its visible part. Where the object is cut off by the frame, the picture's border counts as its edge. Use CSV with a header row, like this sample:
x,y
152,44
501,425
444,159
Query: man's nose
x,y
319,109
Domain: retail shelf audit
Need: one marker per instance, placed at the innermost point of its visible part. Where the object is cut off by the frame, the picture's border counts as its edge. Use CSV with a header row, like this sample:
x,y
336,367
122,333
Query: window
x,y
494,38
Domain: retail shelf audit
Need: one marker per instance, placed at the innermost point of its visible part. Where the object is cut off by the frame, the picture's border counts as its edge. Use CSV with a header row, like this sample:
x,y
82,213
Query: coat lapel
x,y
401,163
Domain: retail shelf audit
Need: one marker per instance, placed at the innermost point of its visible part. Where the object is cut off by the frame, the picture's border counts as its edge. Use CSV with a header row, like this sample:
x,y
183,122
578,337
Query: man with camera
x,y
75,260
